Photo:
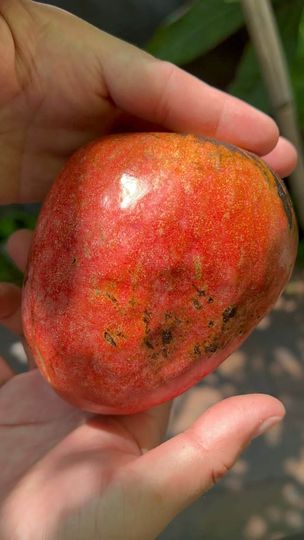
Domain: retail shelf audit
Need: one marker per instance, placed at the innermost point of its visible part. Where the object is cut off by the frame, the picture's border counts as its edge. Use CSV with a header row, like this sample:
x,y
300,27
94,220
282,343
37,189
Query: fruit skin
x,y
155,255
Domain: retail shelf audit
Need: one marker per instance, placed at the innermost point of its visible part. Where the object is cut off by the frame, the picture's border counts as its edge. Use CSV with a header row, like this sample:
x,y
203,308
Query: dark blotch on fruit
x,y
148,344
111,297
285,200
211,347
229,313
199,291
196,303
166,337
109,339
211,324
197,350
147,316
210,300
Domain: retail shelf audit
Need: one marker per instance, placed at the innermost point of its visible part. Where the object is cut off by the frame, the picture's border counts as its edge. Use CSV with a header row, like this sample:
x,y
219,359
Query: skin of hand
x,y
66,474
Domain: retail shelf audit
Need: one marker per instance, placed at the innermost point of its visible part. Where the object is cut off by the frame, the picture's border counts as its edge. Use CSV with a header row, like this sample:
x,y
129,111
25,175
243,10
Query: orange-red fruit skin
x,y
155,256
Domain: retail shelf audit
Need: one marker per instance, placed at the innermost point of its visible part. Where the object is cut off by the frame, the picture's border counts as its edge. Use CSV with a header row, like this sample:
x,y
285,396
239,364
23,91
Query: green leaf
x,y
11,219
248,83
9,272
203,26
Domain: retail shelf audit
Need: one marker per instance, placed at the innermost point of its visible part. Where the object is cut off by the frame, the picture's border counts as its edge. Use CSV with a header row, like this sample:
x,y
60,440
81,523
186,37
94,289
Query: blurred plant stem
x,y
265,37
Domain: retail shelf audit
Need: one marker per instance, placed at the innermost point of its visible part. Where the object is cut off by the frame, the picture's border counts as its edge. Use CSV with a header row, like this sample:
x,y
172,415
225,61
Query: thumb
x,y
173,475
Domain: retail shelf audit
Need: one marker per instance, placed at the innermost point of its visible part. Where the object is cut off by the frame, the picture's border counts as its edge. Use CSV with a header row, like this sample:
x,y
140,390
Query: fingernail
x,y
267,424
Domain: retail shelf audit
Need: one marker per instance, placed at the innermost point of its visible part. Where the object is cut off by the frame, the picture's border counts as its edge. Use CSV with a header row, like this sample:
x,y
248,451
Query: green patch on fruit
x,y
97,292
197,267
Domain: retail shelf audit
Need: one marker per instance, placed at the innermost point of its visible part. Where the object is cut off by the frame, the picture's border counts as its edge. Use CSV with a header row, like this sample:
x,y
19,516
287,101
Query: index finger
x,y
6,373
162,93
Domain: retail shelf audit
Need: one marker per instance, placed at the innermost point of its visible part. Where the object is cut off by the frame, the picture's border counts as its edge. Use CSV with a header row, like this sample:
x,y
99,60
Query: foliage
x,y
195,32
11,219
200,28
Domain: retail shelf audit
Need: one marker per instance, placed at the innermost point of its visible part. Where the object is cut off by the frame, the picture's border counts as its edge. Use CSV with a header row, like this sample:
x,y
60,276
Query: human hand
x,y
66,475
93,477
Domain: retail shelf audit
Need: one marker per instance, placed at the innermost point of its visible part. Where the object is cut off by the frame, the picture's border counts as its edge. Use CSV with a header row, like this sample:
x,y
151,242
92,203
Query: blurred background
x,y
263,497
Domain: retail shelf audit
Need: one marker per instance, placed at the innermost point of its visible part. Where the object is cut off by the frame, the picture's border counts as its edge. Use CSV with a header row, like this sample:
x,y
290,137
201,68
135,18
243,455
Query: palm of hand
x,y
62,458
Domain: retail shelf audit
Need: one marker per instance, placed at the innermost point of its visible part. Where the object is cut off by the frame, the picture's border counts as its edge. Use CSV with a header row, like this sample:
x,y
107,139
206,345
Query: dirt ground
x,y
262,498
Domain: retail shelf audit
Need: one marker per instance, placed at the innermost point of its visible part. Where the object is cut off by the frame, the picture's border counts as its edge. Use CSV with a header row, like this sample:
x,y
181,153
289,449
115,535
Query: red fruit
x,y
154,257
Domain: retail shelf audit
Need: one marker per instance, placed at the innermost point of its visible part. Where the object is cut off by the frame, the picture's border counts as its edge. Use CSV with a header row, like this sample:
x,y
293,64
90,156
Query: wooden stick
x,y
263,30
